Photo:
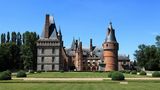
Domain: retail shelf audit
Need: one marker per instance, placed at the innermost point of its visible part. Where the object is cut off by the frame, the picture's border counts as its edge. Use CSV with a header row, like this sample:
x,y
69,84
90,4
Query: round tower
x,y
110,50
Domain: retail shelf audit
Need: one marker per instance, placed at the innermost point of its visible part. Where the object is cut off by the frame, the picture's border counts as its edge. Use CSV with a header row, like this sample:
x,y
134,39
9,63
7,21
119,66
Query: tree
x,y
158,41
29,40
140,56
3,38
148,57
4,58
14,37
14,54
8,36
26,57
19,41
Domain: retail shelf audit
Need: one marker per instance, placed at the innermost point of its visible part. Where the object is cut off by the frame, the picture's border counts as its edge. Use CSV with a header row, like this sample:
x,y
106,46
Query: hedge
x,y
156,74
5,75
21,73
117,76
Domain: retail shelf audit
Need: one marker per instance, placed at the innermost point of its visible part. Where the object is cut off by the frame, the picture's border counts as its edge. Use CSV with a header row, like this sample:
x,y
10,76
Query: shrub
x,y
62,71
122,71
117,76
39,71
134,72
5,75
100,71
156,74
142,73
110,74
31,71
128,71
21,73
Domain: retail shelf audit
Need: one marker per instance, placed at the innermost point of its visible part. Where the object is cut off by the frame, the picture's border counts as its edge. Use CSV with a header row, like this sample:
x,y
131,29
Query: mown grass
x,y
77,75
103,85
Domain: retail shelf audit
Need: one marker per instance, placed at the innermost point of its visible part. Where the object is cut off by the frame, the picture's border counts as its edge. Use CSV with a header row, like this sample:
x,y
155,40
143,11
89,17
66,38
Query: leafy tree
x,y
14,54
8,37
3,38
4,58
19,42
148,57
158,41
140,56
14,37
26,57
29,40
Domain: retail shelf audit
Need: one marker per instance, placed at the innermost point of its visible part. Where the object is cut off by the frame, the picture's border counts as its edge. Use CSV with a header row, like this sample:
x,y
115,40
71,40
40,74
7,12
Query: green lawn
x,y
77,75
104,85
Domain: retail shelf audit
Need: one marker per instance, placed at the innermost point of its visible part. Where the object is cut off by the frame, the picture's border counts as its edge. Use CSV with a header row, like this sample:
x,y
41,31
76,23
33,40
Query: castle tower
x,y
78,56
51,54
110,53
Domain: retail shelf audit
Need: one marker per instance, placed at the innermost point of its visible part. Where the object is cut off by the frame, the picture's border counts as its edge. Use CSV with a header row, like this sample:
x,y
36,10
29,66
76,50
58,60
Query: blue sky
x,y
135,21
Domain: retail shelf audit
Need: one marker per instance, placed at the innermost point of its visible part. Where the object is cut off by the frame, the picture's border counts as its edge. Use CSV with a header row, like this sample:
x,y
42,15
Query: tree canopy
x,y
148,56
16,54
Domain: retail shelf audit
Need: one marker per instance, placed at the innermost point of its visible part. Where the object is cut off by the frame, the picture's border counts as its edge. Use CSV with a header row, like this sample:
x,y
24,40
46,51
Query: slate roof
x,y
111,34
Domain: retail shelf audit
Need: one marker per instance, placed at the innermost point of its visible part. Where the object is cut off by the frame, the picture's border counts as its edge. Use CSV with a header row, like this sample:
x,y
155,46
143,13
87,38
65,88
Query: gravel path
x,y
83,79
64,79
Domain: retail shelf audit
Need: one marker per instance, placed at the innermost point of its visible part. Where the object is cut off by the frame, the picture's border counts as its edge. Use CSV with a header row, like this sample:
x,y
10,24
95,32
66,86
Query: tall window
x,y
42,51
53,59
53,67
42,59
42,67
53,50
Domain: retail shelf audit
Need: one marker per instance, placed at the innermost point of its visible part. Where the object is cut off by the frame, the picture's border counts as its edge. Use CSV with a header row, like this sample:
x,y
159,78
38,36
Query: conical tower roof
x,y
111,34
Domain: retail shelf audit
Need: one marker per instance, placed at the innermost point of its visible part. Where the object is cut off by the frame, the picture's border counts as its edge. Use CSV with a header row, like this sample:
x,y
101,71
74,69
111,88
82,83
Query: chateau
x,y
52,56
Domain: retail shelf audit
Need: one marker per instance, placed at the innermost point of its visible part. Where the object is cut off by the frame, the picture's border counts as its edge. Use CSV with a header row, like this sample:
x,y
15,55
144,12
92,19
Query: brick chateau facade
x,y
52,56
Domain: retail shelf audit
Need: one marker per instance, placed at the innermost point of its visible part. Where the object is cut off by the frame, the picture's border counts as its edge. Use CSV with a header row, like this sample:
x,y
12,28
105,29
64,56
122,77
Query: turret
x,y
110,52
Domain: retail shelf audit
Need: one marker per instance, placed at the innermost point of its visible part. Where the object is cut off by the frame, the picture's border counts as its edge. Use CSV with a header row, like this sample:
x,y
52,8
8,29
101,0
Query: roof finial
x,y
110,25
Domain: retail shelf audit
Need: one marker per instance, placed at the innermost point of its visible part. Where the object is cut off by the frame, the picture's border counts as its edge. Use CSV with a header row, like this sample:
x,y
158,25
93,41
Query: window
x,y
124,62
42,67
42,51
53,50
52,67
83,62
42,60
107,45
53,59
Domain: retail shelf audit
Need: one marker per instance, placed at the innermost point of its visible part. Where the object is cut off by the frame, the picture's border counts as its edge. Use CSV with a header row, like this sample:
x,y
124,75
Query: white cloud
x,y
155,33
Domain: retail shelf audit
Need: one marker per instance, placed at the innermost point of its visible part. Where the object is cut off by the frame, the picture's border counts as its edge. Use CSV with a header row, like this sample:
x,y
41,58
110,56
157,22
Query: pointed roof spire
x,y
110,25
73,46
111,34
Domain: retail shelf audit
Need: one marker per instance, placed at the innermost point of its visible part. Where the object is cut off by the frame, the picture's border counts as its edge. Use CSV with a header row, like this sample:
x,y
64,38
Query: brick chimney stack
x,y
47,24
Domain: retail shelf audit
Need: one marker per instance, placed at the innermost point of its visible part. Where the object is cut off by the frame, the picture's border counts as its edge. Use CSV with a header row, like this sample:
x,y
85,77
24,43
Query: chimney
x,y
91,45
47,23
